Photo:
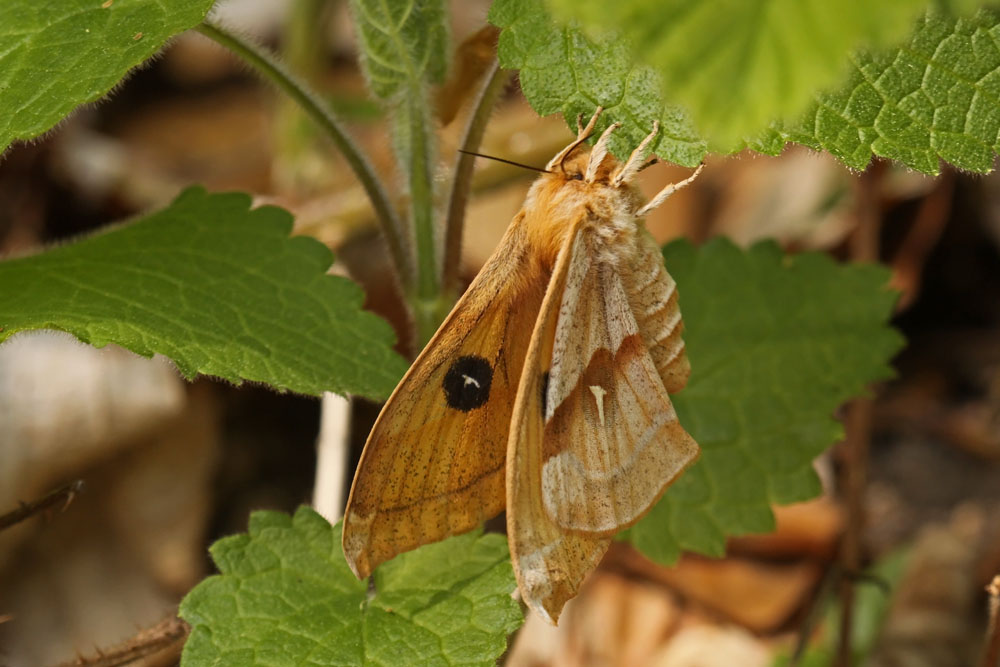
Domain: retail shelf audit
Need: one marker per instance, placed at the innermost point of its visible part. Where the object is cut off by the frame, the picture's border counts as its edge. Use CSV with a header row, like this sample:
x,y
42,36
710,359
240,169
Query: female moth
x,y
544,392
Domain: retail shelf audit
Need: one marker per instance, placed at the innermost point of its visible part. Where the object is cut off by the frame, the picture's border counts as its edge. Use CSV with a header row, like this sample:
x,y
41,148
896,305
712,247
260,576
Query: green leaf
x,y
563,70
776,344
738,65
937,97
55,56
287,597
401,43
218,288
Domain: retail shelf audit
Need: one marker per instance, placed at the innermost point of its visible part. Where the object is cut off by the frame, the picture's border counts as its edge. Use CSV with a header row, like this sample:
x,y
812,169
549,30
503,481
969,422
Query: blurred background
x,y
170,466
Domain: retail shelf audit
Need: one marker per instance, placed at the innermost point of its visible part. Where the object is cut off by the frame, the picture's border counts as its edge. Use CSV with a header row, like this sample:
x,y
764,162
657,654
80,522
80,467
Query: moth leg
x,y
585,132
667,191
581,136
600,150
633,165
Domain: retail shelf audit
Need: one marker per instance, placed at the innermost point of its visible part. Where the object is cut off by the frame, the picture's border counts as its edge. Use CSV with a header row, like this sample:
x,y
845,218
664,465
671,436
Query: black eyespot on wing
x,y
545,392
467,383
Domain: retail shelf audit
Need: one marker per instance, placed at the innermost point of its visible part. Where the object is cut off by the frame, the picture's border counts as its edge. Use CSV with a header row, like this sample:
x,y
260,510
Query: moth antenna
x,y
581,137
632,165
600,150
667,191
505,161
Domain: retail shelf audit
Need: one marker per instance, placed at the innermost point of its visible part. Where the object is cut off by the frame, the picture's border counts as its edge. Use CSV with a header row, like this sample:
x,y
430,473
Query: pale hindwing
x,y
550,563
652,296
433,465
612,443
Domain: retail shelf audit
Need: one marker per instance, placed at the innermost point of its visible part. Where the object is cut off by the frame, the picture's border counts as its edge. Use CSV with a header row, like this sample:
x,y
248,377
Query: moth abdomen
x,y
652,296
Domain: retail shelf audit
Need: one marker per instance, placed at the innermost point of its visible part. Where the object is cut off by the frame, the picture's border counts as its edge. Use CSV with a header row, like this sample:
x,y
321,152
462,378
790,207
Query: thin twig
x,y
857,428
855,472
146,642
64,495
817,609
883,586
991,652
311,103
494,82
814,615
864,242
928,226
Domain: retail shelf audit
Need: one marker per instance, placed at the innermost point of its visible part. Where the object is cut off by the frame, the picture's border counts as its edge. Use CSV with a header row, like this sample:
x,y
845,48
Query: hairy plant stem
x,y
311,103
296,136
494,82
857,426
426,298
300,39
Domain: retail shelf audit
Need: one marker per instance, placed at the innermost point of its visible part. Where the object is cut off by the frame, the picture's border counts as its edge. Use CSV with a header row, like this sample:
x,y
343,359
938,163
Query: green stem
x,y
427,296
300,36
493,85
296,143
311,103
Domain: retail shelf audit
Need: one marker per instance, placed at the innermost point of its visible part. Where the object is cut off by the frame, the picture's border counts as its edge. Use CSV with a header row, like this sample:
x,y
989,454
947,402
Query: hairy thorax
x,y
558,200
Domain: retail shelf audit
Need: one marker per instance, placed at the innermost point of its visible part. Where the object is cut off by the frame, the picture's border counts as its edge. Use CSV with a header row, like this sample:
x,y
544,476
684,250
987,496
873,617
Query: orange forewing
x,y
433,465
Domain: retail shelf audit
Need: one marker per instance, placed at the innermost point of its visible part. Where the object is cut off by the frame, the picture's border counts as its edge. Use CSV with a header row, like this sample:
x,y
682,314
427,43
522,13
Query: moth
x,y
545,391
